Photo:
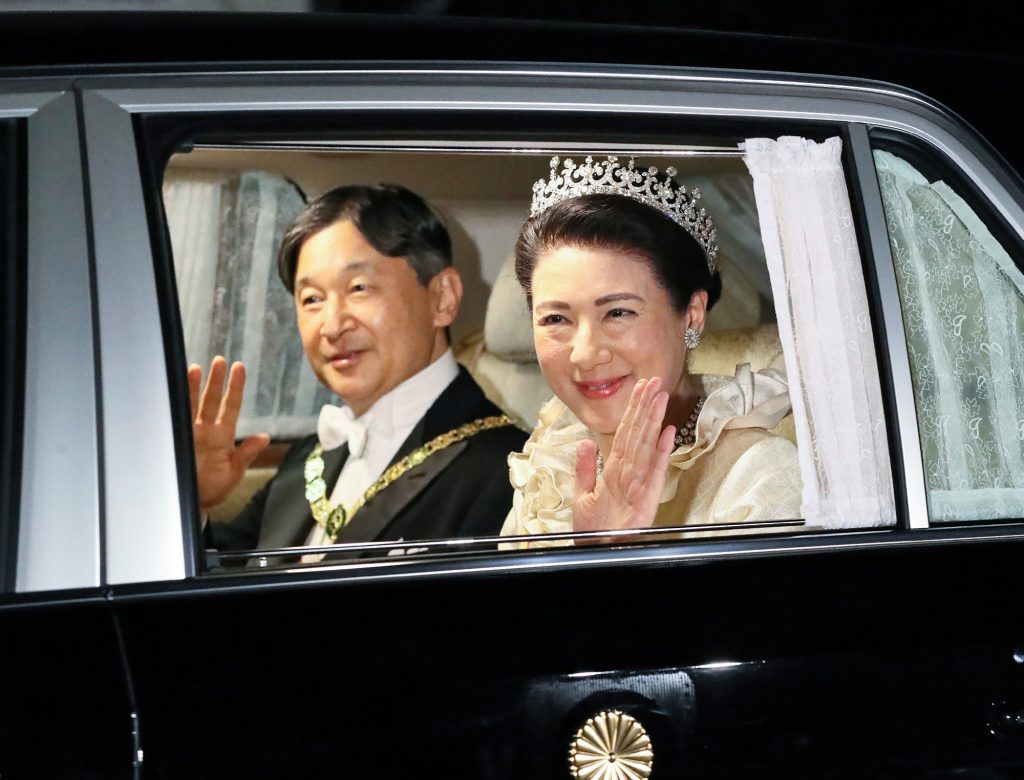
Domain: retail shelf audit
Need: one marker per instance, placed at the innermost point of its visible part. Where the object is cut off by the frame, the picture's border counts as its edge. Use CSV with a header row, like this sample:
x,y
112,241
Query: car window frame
x,y
58,493
857,106
229,133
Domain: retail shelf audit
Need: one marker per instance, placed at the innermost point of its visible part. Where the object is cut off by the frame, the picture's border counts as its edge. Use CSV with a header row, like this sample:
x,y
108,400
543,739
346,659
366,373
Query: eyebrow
x,y
355,265
604,300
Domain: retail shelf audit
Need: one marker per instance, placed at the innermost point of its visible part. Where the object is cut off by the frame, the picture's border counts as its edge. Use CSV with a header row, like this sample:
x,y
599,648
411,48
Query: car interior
x,y
220,202
228,202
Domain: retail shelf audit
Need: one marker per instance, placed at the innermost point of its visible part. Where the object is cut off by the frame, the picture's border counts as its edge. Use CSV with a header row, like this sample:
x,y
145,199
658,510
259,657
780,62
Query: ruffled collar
x,y
547,465
750,400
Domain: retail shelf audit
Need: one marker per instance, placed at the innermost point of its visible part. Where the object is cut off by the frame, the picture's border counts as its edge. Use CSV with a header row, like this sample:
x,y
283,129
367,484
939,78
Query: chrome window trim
x,y
143,539
545,559
561,559
393,570
481,148
61,497
16,105
682,74
466,545
677,92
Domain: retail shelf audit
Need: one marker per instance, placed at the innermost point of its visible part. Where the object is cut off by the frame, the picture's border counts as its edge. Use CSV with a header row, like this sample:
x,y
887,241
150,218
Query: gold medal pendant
x,y
336,521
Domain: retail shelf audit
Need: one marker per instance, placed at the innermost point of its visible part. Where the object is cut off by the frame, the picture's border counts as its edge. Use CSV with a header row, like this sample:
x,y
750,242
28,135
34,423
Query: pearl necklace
x,y
684,435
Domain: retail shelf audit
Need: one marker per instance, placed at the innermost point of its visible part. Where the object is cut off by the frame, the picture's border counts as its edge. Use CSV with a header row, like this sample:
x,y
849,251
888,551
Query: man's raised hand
x,y
220,465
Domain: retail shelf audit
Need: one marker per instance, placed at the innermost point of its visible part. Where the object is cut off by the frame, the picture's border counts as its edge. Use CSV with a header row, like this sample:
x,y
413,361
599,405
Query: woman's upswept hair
x,y
622,224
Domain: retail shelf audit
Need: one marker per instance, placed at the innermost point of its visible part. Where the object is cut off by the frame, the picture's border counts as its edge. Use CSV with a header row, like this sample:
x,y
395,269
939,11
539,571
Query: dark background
x,y
973,26
966,57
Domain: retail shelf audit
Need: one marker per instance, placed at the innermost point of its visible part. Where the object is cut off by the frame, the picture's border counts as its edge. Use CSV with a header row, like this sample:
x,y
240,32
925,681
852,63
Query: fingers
x,y
217,404
247,451
645,495
195,378
209,404
232,403
648,428
624,432
586,468
641,422
667,442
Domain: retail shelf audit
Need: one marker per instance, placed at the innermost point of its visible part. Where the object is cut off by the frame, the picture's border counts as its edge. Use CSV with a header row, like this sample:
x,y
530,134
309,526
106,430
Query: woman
x,y
618,269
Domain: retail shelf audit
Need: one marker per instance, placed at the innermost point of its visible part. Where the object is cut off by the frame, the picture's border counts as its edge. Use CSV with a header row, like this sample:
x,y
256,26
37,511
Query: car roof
x,y
81,43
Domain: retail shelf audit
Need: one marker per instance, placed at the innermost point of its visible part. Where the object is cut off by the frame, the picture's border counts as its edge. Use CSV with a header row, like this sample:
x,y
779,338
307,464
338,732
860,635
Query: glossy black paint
x,y
877,662
65,708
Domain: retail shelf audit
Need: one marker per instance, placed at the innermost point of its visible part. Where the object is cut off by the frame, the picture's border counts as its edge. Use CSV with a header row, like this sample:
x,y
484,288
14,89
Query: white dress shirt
x,y
388,424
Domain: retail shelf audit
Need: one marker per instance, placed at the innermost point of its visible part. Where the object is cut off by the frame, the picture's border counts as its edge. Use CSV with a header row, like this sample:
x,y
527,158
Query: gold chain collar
x,y
334,518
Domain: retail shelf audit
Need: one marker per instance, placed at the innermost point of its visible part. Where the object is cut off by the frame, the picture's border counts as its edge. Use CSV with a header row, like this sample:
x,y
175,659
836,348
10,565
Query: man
x,y
370,271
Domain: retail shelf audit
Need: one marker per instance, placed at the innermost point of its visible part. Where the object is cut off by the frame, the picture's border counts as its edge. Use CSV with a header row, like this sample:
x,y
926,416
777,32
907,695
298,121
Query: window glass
x,y
962,295
228,208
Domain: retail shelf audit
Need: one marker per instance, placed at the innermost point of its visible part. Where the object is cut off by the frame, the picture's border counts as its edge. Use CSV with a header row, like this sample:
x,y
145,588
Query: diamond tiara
x,y
611,178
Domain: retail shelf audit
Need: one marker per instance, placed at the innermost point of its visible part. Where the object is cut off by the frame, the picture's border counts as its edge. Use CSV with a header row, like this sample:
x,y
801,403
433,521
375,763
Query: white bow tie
x,y
337,425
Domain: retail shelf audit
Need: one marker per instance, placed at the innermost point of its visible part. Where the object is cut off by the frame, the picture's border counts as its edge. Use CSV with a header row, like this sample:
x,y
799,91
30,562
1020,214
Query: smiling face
x,y
601,321
366,322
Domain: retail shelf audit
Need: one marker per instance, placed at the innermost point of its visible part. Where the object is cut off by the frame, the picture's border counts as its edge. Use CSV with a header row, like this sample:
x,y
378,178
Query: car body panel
x,y
65,704
825,663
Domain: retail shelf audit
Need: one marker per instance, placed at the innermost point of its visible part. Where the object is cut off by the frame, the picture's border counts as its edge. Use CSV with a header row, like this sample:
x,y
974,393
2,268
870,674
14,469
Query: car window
x,y
228,205
12,286
226,227
962,295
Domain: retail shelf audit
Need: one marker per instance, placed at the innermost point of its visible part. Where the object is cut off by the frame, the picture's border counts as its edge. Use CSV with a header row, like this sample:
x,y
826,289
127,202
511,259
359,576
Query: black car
x,y
881,636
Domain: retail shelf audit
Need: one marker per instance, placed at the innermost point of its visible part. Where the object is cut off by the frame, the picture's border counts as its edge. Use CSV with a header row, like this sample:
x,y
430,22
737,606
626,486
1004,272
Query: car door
x,y
882,651
65,704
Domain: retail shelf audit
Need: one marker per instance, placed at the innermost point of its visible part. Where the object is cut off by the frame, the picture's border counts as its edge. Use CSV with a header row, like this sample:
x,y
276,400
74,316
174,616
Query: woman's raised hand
x,y
627,492
220,465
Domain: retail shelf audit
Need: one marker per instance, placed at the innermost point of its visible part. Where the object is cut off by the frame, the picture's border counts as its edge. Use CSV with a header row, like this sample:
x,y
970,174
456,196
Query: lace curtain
x,y
225,230
963,309
817,282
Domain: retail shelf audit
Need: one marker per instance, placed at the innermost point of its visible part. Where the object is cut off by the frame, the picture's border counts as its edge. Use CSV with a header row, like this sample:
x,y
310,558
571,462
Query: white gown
x,y
736,471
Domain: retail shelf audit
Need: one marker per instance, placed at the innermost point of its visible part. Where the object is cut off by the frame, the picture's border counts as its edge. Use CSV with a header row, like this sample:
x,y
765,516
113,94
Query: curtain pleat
x,y
225,231
821,304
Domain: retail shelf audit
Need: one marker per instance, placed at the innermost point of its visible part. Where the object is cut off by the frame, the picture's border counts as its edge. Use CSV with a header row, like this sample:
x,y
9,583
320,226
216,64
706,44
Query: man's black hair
x,y
395,221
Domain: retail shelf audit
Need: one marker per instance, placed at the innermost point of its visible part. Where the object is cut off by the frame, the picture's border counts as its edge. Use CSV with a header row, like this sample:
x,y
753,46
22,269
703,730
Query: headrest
x,y
720,351
508,331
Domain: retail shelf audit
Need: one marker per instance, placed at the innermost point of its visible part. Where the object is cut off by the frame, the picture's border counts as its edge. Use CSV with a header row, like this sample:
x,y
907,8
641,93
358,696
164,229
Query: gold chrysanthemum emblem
x,y
611,746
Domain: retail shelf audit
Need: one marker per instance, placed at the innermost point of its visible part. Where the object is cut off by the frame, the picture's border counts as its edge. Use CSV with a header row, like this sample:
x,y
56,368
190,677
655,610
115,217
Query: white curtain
x,y
963,309
818,286
225,231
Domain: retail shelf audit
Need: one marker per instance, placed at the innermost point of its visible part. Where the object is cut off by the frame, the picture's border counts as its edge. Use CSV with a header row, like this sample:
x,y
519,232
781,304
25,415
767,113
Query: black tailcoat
x,y
461,491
